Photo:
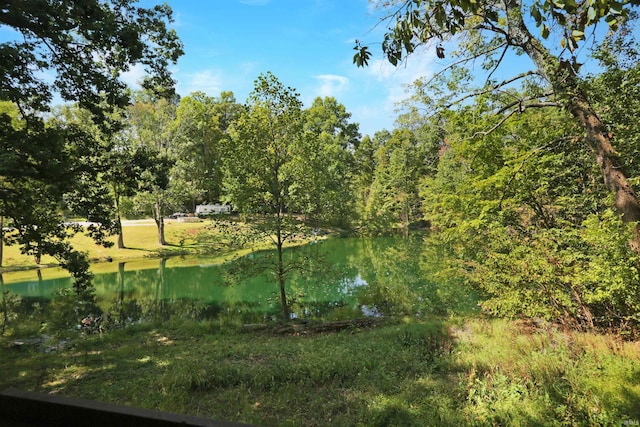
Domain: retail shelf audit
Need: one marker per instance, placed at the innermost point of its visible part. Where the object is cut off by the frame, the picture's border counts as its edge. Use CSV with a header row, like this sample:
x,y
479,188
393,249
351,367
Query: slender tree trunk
x,y
1,238
157,216
566,85
5,306
119,223
40,283
280,273
120,236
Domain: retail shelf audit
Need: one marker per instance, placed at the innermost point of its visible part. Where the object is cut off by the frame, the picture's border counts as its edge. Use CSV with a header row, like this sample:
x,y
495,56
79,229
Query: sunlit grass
x,y
476,372
141,241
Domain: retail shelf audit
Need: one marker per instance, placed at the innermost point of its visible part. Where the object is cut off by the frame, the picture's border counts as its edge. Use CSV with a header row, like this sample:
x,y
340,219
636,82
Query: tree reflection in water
x,y
361,277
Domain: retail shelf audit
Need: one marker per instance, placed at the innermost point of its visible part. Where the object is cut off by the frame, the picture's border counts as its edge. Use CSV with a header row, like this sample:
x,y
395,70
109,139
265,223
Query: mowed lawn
x,y
141,240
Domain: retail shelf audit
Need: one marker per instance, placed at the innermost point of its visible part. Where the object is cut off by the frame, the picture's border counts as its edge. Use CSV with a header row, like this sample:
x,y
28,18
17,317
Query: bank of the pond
x,y
466,372
201,239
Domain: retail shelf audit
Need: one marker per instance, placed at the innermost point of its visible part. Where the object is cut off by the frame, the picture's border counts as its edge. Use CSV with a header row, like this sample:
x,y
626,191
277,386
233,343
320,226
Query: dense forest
x,y
510,179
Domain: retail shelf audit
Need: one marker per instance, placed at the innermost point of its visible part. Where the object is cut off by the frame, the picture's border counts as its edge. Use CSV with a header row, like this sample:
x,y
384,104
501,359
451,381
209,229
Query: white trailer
x,y
204,210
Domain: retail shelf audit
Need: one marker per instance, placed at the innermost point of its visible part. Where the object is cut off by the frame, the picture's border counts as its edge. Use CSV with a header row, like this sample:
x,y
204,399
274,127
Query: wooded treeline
x,y
505,179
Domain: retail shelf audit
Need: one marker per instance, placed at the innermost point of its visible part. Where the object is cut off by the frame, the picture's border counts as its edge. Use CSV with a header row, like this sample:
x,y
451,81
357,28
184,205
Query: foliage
x,y
85,47
76,51
200,148
400,163
491,33
510,214
264,171
618,56
152,127
325,164
481,372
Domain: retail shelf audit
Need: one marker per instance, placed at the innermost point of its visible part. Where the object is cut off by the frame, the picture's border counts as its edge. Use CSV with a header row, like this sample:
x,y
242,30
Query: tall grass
x,y
435,373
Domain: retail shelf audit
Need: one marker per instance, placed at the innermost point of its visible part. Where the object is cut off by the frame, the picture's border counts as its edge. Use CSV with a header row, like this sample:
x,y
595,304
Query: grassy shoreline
x,y
201,239
405,373
141,241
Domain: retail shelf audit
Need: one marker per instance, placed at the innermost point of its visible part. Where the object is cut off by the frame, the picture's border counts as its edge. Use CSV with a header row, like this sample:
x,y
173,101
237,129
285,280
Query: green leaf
x,y
535,12
577,35
544,32
591,14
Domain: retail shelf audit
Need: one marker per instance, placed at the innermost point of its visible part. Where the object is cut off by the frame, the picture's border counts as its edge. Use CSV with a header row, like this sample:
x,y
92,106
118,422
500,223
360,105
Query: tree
x,y
199,157
118,163
528,222
261,168
77,50
324,184
494,30
154,128
86,47
365,166
401,161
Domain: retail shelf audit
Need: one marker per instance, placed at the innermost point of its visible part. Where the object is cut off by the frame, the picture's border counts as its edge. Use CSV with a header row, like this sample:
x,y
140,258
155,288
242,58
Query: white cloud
x,y
395,80
331,85
134,76
207,81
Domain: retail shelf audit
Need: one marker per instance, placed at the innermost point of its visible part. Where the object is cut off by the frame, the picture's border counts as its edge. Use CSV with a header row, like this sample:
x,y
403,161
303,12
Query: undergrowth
x,y
467,372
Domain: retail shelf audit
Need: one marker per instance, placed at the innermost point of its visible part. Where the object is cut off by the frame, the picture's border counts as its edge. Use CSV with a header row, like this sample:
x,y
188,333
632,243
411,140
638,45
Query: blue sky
x,y
306,44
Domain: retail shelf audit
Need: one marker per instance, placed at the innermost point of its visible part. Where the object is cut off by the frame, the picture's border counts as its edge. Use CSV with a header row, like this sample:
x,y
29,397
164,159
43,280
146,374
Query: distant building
x,y
204,210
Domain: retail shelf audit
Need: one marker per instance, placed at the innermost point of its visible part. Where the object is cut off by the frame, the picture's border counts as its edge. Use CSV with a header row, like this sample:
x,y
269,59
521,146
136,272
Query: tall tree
x,y
262,168
77,50
528,221
119,164
154,127
324,187
401,161
493,31
199,154
365,166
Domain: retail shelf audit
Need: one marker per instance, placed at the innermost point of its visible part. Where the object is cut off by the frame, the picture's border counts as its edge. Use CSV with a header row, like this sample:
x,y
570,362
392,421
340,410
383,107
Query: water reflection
x,y
350,277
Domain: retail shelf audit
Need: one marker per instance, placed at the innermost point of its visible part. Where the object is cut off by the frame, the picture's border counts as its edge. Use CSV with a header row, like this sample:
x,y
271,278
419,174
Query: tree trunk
x,y
566,85
120,235
157,216
5,306
281,279
1,238
610,164
119,223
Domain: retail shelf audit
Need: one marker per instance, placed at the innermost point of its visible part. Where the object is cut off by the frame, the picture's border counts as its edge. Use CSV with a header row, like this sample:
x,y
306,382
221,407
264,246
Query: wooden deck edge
x,y
24,409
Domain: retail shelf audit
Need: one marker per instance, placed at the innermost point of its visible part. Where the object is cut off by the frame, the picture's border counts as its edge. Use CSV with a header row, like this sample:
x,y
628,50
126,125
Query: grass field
x,y
432,373
141,241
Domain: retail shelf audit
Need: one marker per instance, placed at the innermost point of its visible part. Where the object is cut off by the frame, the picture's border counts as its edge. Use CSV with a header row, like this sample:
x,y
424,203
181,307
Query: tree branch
x,y
463,60
521,108
523,105
491,89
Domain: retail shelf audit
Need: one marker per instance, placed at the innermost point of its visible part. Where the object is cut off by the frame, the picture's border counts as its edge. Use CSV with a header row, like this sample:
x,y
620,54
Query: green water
x,y
336,278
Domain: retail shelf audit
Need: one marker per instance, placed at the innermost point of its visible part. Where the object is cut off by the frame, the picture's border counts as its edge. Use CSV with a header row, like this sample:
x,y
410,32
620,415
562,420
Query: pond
x,y
337,278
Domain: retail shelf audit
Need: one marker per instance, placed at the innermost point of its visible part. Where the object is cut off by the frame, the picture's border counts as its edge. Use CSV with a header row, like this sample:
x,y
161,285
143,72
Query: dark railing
x,y
28,409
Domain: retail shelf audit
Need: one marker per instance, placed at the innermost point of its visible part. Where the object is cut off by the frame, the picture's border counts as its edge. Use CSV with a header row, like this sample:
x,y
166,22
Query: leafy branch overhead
x,y
484,28
86,46
417,22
